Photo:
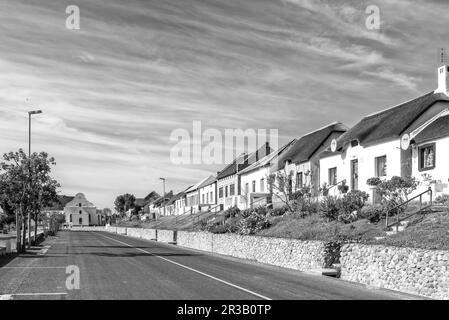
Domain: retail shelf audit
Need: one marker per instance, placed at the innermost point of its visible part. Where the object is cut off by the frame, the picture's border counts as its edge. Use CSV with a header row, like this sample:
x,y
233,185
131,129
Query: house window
x,y
246,188
381,166
299,182
81,212
211,199
290,184
220,192
80,221
232,189
203,199
226,191
332,176
70,217
426,157
254,186
79,204
262,185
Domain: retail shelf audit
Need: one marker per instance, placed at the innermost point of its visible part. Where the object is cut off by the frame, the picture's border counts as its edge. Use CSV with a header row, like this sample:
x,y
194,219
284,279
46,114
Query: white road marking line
x,y
33,267
191,269
44,250
36,294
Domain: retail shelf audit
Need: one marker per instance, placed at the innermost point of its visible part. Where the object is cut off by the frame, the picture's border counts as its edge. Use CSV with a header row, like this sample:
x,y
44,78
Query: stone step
x,y
323,272
404,223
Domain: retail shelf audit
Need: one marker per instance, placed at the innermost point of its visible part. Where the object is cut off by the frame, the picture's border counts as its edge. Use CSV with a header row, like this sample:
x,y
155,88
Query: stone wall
x,y
88,228
166,235
410,270
287,253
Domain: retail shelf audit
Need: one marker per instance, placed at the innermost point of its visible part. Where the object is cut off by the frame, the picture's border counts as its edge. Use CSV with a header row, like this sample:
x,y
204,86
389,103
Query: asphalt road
x,y
118,267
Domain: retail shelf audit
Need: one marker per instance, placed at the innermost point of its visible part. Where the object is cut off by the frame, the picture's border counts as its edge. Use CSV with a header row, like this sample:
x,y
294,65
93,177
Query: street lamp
x,y
30,113
163,180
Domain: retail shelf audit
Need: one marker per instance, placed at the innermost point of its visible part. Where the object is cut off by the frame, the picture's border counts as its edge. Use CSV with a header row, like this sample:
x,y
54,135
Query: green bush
x,y
232,212
351,204
218,228
330,207
278,211
252,224
372,212
246,213
443,199
261,210
305,206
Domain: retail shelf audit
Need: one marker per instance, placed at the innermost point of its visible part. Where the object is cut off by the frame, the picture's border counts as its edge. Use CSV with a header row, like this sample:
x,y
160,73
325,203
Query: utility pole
x,y
30,113
163,199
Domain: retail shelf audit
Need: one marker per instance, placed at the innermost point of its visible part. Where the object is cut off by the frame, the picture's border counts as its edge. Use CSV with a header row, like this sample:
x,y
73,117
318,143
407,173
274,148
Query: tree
x,y
124,202
22,195
43,187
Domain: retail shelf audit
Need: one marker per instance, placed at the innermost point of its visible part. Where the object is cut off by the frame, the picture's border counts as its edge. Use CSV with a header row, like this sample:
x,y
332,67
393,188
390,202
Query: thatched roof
x,y
244,161
390,123
306,146
437,129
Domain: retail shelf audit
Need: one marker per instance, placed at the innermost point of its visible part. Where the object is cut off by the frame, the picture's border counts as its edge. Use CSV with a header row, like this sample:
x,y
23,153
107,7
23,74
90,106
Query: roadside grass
x,y
314,227
430,231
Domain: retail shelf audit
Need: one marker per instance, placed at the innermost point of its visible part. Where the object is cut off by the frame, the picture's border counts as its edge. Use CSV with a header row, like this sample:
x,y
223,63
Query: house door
x,y
355,174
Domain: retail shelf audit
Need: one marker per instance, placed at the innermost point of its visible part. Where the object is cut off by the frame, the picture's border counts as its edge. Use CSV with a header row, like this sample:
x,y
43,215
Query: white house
x,y
208,194
406,140
81,212
228,179
192,194
300,164
255,189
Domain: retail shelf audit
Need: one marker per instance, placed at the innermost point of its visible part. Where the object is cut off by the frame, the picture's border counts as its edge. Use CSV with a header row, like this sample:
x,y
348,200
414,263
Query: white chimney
x,y
443,80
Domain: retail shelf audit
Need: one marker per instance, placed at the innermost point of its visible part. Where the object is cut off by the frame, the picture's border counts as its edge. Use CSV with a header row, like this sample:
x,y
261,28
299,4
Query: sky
x,y
113,91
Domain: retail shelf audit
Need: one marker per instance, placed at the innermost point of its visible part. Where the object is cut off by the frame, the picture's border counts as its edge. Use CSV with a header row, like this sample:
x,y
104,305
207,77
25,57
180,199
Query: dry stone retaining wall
x,y
287,253
410,270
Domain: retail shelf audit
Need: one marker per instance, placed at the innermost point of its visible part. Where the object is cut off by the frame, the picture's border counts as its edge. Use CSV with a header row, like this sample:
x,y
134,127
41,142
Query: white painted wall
x,y
441,171
366,159
230,200
248,178
206,191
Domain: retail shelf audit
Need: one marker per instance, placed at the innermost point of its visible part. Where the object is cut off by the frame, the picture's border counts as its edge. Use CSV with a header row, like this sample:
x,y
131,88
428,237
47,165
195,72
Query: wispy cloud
x,y
113,91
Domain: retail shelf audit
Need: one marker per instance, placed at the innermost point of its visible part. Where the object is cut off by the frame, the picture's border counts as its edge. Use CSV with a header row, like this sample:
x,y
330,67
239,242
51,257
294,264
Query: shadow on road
x,y
4,260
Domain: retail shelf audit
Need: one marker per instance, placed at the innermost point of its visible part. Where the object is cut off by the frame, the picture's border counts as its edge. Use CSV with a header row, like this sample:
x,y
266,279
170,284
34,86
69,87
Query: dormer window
x,y
354,143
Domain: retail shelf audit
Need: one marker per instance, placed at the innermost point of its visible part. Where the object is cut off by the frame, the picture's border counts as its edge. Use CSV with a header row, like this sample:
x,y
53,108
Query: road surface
x,y
118,267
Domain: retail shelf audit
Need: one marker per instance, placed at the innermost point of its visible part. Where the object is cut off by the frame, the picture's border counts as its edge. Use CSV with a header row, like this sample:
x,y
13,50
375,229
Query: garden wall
x,y
287,253
410,270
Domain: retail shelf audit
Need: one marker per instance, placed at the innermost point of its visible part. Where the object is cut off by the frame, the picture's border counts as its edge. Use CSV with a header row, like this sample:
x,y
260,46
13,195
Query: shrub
x,y
351,204
330,207
246,213
232,212
305,206
218,228
278,211
261,210
443,199
372,212
252,224
232,225
343,187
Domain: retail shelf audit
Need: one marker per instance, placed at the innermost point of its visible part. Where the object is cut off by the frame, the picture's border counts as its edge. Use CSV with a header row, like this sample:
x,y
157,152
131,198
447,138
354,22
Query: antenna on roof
x,y
442,57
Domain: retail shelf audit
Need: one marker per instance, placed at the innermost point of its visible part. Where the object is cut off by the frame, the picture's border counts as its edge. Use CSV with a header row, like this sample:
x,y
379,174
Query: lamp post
x,y
163,199
30,113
